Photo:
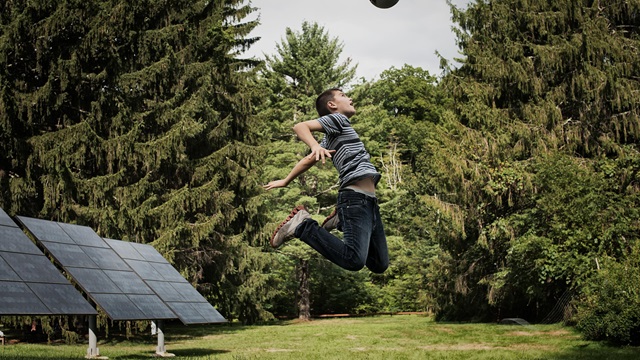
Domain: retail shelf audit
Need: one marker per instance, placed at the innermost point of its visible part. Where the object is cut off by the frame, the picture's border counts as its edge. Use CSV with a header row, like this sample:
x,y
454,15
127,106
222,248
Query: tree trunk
x,y
304,303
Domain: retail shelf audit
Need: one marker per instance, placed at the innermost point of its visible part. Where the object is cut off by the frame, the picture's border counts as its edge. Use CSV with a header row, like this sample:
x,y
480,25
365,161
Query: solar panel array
x,y
190,306
29,283
129,281
98,270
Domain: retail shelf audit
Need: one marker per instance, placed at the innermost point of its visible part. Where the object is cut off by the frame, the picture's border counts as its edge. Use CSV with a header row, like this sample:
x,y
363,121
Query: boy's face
x,y
342,104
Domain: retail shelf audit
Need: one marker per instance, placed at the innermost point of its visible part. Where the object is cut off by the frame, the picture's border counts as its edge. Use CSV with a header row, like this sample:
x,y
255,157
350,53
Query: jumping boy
x,y
357,214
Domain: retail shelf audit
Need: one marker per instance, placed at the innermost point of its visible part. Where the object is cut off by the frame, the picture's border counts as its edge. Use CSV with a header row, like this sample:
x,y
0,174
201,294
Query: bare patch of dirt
x,y
444,330
482,346
277,350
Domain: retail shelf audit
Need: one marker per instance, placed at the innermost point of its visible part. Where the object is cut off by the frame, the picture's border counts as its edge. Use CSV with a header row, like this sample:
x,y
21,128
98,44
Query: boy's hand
x,y
275,184
318,152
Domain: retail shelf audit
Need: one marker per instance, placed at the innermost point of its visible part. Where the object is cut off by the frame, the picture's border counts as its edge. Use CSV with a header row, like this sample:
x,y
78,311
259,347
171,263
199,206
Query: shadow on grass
x,y
594,351
183,354
197,352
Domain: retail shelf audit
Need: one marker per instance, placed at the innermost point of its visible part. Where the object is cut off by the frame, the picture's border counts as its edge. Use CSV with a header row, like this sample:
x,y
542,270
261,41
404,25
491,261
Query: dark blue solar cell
x,y
45,230
6,220
188,292
83,235
165,291
145,270
16,298
209,313
62,299
6,272
106,258
124,249
168,272
129,282
119,307
93,280
34,268
152,307
12,239
69,255
149,253
186,313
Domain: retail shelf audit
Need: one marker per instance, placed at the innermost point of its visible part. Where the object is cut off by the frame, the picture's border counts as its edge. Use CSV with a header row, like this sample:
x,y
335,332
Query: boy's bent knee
x,y
354,266
378,268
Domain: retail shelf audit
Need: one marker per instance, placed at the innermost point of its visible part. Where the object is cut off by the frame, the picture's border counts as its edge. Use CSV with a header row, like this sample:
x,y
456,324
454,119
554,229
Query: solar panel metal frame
x,y
29,283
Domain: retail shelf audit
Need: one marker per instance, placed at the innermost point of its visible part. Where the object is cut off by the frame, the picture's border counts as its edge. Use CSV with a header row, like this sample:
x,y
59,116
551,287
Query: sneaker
x,y
332,221
286,230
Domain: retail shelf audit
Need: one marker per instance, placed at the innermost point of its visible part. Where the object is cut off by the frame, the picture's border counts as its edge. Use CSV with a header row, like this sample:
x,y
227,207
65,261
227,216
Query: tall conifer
x,y
538,78
134,118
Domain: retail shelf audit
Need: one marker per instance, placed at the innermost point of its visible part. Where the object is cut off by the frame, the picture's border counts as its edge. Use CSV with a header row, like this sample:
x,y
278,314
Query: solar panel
x,y
167,272
69,255
120,307
190,306
98,269
165,290
6,220
29,283
124,249
45,230
15,241
94,281
144,269
83,235
105,258
129,282
55,298
34,268
6,272
18,299
151,304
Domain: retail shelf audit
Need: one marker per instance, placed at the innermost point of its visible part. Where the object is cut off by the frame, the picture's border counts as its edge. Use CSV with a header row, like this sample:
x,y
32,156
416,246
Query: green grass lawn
x,y
382,337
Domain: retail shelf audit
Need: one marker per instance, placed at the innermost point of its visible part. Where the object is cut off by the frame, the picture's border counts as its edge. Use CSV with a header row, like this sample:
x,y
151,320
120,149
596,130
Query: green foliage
x,y
610,307
306,64
135,118
540,152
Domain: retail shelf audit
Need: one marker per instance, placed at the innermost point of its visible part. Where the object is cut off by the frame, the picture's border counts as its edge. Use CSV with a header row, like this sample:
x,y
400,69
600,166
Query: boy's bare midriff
x,y
365,184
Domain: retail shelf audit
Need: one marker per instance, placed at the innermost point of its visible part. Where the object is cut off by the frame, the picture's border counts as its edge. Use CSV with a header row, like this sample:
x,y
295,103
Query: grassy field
x,y
382,337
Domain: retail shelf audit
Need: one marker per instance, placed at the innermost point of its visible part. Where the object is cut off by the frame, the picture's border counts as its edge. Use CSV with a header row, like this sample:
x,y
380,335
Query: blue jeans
x,y
364,242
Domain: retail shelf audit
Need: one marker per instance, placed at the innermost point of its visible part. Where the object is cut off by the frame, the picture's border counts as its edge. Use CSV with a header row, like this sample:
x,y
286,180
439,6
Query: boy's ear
x,y
332,105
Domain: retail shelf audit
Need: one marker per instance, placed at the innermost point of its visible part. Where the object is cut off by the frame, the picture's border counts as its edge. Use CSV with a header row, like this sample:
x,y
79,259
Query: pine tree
x,y
538,81
135,118
307,62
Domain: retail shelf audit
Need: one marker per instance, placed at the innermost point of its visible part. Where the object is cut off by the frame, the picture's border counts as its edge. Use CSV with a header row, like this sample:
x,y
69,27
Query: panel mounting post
x,y
93,352
160,350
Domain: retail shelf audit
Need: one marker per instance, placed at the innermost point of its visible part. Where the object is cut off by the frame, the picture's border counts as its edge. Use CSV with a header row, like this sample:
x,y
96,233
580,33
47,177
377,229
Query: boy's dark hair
x,y
323,99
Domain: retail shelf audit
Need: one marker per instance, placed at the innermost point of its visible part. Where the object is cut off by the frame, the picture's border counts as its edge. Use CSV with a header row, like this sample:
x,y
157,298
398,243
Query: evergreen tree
x,y
134,118
307,62
540,81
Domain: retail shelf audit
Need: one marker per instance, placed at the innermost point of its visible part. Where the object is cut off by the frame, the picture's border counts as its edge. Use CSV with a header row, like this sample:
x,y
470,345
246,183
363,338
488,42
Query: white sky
x,y
375,39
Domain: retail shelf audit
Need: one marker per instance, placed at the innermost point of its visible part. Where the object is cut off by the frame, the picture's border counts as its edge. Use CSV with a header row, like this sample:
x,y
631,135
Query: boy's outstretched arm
x,y
303,165
303,131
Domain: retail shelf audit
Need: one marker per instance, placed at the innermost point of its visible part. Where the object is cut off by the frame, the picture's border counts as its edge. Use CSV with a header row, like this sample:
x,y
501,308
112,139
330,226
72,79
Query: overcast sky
x,y
376,39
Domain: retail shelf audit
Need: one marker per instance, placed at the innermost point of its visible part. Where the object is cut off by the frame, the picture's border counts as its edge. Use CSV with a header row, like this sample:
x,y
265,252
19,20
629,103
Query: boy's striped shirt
x,y
350,159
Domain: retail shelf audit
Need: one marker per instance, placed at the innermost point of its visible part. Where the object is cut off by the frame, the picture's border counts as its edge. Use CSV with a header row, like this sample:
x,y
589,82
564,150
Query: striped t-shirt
x,y
350,159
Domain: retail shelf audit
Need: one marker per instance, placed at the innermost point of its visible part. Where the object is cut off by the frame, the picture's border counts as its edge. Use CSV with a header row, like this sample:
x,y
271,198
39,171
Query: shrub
x,y
610,309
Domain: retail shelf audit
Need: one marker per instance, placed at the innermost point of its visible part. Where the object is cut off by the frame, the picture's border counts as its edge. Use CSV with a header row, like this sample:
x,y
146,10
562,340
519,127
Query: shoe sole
x,y
291,215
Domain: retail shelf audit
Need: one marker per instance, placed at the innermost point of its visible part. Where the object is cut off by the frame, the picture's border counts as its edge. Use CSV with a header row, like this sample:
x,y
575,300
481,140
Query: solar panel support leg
x,y
93,352
160,350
